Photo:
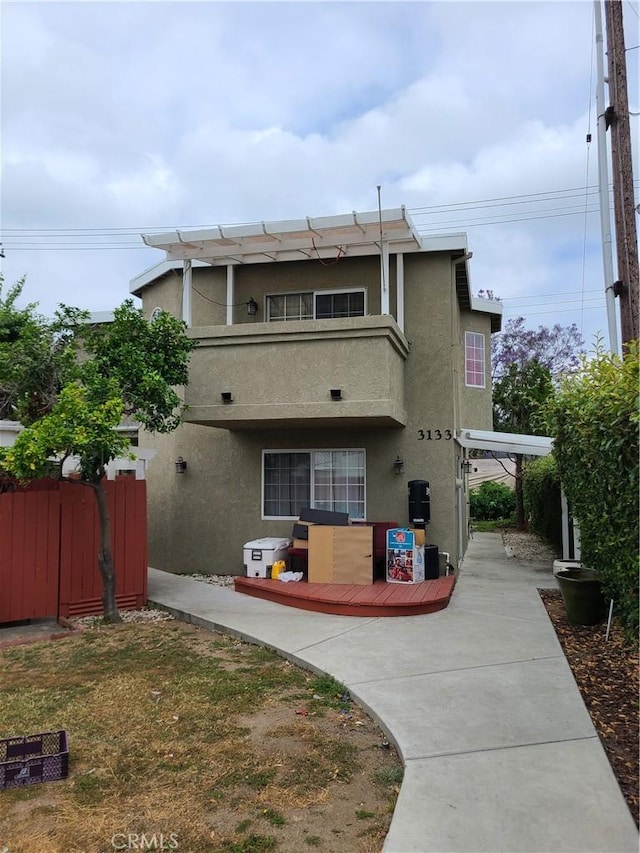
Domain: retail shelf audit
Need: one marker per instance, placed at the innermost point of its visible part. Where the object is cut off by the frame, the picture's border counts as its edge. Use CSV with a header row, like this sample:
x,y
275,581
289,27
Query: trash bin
x,y
431,562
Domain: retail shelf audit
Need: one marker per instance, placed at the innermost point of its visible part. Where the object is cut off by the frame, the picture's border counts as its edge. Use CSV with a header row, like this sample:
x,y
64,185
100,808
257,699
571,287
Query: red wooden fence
x,y
29,549
49,535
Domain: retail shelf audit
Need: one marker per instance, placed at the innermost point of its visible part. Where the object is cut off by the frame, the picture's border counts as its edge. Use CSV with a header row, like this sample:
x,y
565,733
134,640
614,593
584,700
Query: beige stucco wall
x,y
475,403
166,293
259,280
284,372
200,520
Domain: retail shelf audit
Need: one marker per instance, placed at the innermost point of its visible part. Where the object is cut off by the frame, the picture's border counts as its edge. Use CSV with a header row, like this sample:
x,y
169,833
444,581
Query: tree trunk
x,y
105,557
521,522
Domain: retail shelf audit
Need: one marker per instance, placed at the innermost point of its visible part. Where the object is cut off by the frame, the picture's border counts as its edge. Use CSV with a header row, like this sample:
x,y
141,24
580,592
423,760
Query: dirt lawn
x,y
192,740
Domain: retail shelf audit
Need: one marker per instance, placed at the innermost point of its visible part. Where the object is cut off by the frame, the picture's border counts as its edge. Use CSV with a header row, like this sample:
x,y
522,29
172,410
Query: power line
x,y
561,293
480,224
46,248
554,311
505,198
135,231
423,229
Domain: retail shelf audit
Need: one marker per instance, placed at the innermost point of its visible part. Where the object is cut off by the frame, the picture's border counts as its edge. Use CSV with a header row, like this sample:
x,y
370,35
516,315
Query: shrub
x,y
593,420
541,490
492,501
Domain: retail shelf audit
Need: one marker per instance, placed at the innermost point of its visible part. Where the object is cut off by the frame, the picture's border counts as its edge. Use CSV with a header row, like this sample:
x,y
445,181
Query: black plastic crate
x,y
36,758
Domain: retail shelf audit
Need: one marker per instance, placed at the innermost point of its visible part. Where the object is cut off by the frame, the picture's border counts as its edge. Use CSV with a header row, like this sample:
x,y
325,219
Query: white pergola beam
x,y
230,294
400,291
186,292
384,278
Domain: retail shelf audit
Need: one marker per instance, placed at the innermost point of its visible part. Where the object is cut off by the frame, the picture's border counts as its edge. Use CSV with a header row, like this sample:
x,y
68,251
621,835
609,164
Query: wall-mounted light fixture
x,y
252,307
398,465
467,467
181,465
336,393
227,397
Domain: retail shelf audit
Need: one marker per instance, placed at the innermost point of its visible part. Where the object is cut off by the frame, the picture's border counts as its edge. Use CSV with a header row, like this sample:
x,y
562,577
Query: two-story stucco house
x,y
338,359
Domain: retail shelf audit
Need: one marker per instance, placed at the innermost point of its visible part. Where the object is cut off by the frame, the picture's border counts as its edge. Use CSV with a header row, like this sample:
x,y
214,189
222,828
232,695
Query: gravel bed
x,y
528,547
146,614
216,580
150,614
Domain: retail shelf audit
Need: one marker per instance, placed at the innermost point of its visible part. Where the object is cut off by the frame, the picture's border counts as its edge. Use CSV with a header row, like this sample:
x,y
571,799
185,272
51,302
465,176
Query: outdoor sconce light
x,y
227,397
398,465
336,393
181,465
252,307
467,466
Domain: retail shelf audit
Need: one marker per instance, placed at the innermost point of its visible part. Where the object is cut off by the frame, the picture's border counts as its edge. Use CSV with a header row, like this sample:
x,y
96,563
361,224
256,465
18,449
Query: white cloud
x,y
162,114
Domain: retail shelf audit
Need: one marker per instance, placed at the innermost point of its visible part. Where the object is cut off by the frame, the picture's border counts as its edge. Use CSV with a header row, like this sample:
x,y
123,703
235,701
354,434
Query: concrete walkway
x,y
499,750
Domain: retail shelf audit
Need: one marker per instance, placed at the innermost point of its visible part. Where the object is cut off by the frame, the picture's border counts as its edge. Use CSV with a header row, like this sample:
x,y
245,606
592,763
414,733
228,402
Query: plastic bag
x,y
285,577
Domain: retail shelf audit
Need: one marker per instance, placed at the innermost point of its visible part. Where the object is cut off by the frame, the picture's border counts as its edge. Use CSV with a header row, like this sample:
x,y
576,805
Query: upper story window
x,y
350,303
318,305
474,360
290,306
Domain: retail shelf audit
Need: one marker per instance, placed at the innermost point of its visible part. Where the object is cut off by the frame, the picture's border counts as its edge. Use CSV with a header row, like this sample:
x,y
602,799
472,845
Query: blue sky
x,y
474,115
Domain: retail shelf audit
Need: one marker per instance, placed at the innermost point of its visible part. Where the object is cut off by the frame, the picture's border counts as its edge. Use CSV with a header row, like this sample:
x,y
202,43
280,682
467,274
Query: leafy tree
x,y
491,501
542,499
37,356
594,420
558,349
524,365
518,398
125,368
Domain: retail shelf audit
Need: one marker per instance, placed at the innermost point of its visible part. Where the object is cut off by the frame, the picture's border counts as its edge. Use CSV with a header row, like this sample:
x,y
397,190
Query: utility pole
x,y
617,119
603,187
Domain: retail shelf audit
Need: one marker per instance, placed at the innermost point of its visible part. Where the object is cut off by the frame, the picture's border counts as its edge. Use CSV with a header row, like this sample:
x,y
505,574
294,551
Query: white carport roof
x,y
507,442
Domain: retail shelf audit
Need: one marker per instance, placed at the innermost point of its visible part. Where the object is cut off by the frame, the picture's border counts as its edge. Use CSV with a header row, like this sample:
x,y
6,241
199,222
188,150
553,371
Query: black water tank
x,y
419,503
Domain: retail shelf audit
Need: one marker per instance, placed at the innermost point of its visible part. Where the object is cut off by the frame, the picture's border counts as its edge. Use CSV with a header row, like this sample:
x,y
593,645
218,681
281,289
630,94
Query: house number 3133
x,y
435,435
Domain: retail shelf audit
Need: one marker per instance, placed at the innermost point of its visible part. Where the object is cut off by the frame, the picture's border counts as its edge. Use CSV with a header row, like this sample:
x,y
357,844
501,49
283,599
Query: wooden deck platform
x,y
379,599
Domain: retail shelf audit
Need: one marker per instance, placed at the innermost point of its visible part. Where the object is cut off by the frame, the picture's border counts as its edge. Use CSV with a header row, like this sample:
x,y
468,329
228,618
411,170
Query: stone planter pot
x,y
581,591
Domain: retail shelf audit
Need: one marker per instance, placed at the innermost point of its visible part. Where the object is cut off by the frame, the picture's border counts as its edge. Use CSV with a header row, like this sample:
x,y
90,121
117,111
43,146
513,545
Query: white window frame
x,y
483,362
267,296
310,451
314,294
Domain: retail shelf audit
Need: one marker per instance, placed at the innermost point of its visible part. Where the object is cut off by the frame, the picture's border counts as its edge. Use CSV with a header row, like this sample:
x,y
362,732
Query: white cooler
x,y
261,554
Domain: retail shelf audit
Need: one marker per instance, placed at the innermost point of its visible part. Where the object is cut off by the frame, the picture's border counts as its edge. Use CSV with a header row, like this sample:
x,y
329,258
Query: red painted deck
x,y
379,599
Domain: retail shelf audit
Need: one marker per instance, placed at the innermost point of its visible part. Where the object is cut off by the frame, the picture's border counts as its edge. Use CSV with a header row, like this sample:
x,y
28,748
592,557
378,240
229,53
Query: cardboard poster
x,y
405,559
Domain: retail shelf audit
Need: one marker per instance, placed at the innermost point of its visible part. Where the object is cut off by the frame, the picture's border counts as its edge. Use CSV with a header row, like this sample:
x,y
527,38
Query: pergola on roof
x,y
293,239
354,234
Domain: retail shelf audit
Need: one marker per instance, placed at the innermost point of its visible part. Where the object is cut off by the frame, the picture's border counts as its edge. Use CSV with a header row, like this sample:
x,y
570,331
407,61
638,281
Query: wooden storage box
x,y
340,555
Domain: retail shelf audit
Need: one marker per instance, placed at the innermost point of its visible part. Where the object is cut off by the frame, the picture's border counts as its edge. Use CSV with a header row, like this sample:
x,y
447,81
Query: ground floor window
x,y
323,479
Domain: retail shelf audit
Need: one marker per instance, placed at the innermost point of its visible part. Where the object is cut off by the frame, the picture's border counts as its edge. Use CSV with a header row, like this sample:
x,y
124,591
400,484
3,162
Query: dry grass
x,y
179,732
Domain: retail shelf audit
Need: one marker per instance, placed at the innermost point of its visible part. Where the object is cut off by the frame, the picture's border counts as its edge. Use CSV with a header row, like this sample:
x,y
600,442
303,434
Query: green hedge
x,y
593,420
542,504
492,501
